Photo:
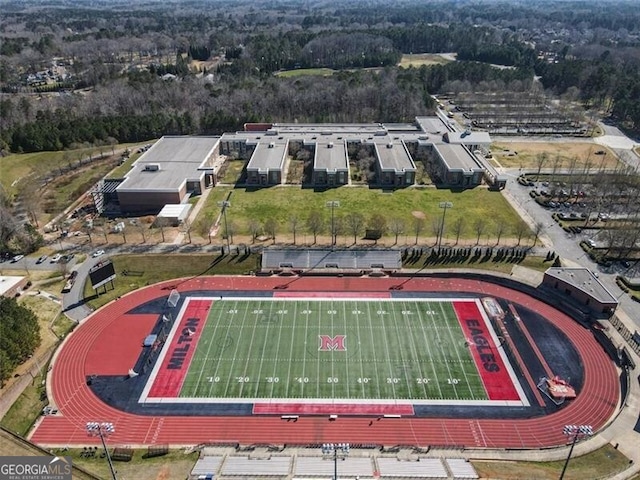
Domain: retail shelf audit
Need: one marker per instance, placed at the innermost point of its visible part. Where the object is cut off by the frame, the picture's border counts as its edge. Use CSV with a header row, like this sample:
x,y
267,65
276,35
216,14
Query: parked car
x,y
42,258
17,258
98,253
56,258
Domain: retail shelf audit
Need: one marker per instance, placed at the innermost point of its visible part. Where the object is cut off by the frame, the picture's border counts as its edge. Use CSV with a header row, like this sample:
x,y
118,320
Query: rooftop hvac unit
x,y
389,145
271,145
152,167
330,145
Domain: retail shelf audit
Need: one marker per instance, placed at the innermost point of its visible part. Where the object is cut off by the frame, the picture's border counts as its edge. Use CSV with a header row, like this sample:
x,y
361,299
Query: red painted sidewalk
x,y
492,369
175,364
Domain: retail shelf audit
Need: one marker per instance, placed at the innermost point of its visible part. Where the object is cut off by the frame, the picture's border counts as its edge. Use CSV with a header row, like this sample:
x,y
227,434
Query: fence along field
x,y
407,349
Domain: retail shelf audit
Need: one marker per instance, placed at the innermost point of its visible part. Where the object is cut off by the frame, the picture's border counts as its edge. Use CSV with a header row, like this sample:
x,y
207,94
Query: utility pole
x,y
444,206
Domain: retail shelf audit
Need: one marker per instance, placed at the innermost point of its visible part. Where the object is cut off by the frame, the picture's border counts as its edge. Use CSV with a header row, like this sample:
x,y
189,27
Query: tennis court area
x,y
321,349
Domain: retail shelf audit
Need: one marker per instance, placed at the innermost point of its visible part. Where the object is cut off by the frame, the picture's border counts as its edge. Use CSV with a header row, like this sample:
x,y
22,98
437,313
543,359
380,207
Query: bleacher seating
x,y
350,467
461,468
244,466
206,465
423,468
275,258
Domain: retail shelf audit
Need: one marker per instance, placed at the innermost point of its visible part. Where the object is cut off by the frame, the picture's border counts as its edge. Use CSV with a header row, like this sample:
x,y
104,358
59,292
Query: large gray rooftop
x,y
268,155
585,280
331,155
457,157
169,163
393,155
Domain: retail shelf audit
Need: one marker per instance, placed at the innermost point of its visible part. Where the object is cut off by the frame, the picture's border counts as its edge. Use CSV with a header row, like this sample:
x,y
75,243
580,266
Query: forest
x,y
93,72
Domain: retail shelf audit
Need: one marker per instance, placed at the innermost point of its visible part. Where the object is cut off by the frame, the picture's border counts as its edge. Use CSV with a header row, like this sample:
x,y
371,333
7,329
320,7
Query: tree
x,y
162,222
378,223
397,228
254,229
294,223
418,226
315,224
458,227
271,228
355,222
19,336
520,230
500,229
541,159
479,227
537,230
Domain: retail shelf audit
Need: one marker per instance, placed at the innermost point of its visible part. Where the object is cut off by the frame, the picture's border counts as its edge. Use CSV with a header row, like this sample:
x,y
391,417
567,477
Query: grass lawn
x,y
527,152
283,202
18,166
233,171
175,465
419,59
26,409
148,269
324,72
602,463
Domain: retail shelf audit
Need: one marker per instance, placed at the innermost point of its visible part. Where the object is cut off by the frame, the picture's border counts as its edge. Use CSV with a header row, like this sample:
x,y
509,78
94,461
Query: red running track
x,y
595,404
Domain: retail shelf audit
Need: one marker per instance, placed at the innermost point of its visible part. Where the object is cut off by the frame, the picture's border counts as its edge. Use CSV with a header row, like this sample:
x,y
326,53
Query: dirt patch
x,y
525,154
418,214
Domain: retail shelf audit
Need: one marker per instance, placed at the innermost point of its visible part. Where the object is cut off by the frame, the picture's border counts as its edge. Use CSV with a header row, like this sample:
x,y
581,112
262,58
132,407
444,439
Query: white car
x,y
56,258
98,253
17,258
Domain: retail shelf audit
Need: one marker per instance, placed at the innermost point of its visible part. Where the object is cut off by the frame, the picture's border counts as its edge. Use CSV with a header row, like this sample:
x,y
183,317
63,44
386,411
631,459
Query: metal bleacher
x,y
273,258
422,468
350,467
461,468
255,467
206,465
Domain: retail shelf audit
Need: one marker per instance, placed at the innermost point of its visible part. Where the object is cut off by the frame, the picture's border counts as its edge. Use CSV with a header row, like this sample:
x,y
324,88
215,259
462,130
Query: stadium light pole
x,y
102,430
444,206
332,204
226,204
576,431
337,450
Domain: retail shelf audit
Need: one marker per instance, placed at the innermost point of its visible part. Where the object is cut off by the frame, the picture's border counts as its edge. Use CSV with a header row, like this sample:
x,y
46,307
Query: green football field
x,y
332,349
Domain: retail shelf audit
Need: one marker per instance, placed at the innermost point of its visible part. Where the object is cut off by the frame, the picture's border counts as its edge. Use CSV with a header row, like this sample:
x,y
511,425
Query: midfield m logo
x,y
328,343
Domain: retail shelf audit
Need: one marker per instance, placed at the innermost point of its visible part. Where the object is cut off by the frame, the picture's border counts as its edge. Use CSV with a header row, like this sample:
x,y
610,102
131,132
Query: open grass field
x,y
299,72
337,348
602,463
21,166
284,202
147,269
419,59
527,152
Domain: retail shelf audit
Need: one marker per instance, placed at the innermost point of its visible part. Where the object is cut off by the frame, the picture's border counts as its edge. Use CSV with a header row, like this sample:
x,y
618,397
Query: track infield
x,y
102,371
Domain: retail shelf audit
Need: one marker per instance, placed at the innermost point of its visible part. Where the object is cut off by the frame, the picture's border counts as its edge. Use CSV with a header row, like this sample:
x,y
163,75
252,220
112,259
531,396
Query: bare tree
x,y
418,226
541,159
294,223
229,230
355,222
537,230
500,229
254,229
142,229
436,228
271,228
314,224
186,228
520,230
458,227
161,222
479,226
397,226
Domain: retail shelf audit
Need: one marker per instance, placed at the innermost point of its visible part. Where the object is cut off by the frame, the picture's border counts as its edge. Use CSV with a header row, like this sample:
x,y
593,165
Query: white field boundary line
x,y
144,398
503,354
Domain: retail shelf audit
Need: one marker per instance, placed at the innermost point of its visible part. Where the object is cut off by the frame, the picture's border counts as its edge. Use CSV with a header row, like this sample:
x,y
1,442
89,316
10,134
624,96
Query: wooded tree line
x,y
19,336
